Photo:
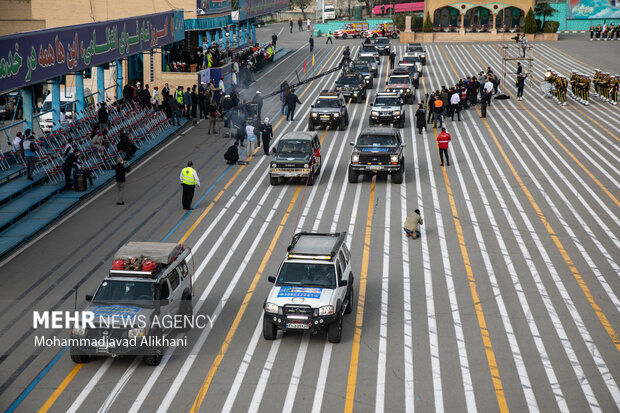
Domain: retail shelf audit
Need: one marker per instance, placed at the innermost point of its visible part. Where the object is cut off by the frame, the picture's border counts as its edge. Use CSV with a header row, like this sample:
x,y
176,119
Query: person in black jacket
x,y
420,118
266,132
291,102
311,43
274,39
121,168
232,154
126,145
67,167
258,101
102,114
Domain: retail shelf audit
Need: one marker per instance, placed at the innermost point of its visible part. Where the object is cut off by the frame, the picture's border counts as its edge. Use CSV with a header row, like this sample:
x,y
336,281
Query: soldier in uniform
x,y
613,86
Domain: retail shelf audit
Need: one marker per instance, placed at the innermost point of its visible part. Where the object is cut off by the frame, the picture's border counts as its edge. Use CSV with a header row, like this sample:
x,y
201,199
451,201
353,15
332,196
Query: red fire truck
x,y
351,30
390,31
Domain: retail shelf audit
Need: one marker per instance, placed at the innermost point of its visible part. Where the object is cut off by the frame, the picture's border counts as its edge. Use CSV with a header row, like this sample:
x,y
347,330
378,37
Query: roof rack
x,y
314,248
135,274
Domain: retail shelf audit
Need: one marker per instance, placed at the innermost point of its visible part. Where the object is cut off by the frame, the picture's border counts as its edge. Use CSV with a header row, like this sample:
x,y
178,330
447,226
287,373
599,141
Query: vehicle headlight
x,y
408,90
326,310
136,332
273,165
367,77
79,331
388,90
394,158
416,54
314,115
374,113
272,308
306,166
336,115
397,113
355,158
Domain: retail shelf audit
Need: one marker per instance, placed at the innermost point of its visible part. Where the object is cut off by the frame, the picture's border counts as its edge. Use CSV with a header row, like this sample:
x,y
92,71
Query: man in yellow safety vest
x,y
189,181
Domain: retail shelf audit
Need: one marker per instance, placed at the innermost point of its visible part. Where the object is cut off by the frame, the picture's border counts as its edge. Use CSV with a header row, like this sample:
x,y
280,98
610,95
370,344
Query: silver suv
x,y
313,288
138,304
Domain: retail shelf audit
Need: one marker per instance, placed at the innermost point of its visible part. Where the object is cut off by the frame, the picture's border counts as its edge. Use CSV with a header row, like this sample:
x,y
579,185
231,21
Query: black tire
x,y
375,75
77,357
397,177
344,36
310,126
374,35
372,83
154,357
310,178
401,125
371,122
394,35
334,330
273,180
270,330
187,310
346,118
342,125
353,176
349,307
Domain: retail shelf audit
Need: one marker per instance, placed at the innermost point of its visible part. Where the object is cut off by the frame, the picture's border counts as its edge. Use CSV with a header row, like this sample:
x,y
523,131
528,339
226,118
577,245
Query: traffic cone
x,y
304,67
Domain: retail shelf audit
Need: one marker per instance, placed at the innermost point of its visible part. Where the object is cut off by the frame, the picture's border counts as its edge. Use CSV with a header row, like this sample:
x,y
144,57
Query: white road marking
x,y
120,384
90,386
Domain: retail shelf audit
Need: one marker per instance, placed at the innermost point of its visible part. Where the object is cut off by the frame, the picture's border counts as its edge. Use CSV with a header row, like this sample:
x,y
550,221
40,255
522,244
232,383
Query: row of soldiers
x,y
559,85
605,32
580,87
606,86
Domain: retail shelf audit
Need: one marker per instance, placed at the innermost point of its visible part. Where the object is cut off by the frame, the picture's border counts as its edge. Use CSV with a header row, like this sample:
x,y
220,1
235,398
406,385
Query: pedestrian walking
x,y
438,110
455,106
329,37
194,99
187,101
300,24
291,102
420,118
189,181
250,131
240,135
412,224
443,140
30,154
102,115
392,59
290,22
266,133
520,85
523,44
311,43
212,110
18,151
308,29
274,37
258,101
121,168
174,111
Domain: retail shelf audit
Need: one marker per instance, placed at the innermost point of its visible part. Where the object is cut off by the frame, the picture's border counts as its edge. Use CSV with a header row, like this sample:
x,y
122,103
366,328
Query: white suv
x,y
313,288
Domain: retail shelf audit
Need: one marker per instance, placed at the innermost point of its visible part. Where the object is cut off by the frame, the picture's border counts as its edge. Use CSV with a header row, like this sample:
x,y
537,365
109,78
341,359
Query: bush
x,y
400,18
529,24
551,26
428,23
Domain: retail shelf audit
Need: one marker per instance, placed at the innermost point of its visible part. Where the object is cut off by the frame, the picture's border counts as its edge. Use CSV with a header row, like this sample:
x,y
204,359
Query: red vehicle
x,y
390,31
351,30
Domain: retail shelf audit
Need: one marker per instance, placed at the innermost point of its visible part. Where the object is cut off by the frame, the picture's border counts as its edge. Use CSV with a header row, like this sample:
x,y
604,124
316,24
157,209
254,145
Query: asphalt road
x,y
508,302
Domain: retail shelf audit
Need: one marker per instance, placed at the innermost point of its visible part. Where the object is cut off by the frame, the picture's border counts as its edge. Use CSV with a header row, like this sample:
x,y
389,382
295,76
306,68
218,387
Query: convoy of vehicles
x,y
150,284
329,109
416,50
313,288
296,156
383,29
378,151
351,30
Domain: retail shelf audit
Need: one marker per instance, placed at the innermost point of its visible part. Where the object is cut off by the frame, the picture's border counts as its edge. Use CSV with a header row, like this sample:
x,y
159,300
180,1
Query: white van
x,y
329,13
67,101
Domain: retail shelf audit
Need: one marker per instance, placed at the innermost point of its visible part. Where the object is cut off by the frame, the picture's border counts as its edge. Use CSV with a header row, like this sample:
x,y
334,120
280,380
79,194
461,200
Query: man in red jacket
x,y
443,140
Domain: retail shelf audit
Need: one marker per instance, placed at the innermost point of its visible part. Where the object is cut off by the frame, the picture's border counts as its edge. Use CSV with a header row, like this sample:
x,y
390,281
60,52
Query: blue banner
x,y
255,8
209,7
593,9
303,292
33,57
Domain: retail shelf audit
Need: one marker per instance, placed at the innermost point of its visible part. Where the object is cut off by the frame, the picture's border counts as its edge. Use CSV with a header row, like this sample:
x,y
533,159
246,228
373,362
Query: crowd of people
x,y
605,32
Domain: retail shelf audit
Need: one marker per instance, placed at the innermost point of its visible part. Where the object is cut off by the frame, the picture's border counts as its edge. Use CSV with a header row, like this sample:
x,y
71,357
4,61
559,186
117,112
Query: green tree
x,y
544,10
301,5
529,24
428,24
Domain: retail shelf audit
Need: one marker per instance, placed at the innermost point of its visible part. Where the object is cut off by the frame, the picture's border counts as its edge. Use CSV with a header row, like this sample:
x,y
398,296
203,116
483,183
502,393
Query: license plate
x,y
325,117
374,167
299,326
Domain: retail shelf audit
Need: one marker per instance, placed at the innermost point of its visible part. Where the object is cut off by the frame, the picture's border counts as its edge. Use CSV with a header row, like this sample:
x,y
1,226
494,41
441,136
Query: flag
x,y
312,59
304,66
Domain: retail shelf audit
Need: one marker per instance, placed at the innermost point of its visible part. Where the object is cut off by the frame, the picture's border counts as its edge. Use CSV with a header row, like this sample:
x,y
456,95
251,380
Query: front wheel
x,y
334,330
270,330
77,357
397,177
401,125
353,176
349,307
310,178
273,180
344,36
310,126
394,35
342,125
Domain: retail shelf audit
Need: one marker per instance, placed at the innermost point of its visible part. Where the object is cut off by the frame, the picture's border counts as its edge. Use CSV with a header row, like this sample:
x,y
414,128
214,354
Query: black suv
x,y
363,68
400,82
378,151
329,109
374,67
297,156
352,85
387,109
416,50
382,44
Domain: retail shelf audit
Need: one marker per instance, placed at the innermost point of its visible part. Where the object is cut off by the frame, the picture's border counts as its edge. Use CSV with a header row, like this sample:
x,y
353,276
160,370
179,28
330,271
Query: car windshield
x,y
307,275
348,80
368,49
387,101
382,41
377,140
326,103
294,146
368,59
362,66
397,80
125,291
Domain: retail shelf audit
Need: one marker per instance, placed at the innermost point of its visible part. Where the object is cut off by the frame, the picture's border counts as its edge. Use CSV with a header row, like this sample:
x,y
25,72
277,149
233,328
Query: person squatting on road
x,y
189,181
443,140
412,224
121,168
232,154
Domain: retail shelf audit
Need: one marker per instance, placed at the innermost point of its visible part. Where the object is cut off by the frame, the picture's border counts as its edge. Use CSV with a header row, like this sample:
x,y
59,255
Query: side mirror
x,y
271,279
88,297
351,143
164,302
403,144
343,283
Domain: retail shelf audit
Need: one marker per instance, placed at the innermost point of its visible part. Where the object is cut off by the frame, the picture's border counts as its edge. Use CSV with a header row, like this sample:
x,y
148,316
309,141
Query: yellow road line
x,y
573,105
560,144
248,296
361,300
556,240
50,401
